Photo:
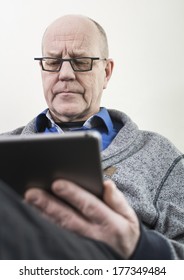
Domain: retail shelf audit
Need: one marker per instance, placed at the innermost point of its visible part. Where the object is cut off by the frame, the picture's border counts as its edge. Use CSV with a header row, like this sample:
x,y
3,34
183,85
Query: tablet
x,y
37,160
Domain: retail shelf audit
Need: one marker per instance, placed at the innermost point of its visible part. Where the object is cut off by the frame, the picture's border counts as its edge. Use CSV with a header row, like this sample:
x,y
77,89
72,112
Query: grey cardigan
x,y
149,170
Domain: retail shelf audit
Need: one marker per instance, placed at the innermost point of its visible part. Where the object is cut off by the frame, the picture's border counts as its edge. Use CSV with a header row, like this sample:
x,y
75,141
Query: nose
x,y
66,72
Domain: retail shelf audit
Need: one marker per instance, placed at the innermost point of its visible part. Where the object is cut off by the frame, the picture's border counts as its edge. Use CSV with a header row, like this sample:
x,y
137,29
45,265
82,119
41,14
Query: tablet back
x,y
37,160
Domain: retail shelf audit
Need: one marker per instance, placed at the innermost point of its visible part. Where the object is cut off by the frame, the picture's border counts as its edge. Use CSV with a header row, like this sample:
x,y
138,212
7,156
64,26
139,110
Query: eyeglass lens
x,y
78,64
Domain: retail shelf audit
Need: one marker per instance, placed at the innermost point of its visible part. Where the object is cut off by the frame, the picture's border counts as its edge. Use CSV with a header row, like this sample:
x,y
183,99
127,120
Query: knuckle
x,y
88,209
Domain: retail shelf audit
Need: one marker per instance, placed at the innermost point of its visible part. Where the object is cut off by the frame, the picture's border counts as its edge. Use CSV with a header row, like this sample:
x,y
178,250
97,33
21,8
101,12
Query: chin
x,y
68,115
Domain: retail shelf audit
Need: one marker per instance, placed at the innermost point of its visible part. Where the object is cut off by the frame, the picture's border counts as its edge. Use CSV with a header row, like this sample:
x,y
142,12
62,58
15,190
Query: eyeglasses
x,y
78,64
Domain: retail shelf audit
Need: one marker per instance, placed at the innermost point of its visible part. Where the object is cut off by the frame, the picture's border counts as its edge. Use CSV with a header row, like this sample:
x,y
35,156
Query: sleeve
x,y
165,240
151,246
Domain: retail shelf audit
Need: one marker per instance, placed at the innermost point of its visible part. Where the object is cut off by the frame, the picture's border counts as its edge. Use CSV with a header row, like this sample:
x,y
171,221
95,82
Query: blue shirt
x,y
100,122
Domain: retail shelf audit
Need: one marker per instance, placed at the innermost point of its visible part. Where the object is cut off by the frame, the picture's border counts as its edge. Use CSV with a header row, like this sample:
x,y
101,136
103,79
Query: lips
x,y
66,92
66,95
67,88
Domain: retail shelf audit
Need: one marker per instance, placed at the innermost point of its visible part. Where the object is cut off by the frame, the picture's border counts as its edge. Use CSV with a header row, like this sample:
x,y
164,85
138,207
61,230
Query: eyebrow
x,y
71,54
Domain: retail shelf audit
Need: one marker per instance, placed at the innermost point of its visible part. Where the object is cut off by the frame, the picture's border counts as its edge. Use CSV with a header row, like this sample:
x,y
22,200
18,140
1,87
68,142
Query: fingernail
x,y
31,199
58,185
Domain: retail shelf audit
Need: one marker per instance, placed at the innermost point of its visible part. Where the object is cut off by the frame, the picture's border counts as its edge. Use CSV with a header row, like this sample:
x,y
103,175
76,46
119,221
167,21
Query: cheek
x,y
95,85
48,82
87,83
91,83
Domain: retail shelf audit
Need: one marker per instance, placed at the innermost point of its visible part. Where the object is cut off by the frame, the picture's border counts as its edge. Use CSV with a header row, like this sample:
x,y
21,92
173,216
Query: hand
x,y
112,220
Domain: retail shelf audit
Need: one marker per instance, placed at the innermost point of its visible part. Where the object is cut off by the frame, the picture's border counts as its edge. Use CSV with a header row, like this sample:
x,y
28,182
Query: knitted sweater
x,y
149,170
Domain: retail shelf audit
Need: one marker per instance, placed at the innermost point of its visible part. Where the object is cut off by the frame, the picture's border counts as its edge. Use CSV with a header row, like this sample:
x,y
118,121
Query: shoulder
x,y
16,131
159,143
30,128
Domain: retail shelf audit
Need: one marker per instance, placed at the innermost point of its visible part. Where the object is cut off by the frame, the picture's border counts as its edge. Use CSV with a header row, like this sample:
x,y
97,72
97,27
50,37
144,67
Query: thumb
x,y
115,199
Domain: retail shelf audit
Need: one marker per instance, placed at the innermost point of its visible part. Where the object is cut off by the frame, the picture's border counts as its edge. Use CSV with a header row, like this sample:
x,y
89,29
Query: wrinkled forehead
x,y
71,36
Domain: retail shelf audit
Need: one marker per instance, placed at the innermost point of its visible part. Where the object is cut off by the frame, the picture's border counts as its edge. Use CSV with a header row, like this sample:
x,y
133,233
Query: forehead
x,y
71,35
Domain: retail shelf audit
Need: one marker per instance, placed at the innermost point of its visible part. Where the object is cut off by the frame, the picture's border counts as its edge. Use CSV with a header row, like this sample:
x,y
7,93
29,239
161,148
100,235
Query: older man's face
x,y
74,96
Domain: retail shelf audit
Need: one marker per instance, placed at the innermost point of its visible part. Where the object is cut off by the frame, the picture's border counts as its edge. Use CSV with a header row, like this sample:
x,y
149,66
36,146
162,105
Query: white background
x,y
146,39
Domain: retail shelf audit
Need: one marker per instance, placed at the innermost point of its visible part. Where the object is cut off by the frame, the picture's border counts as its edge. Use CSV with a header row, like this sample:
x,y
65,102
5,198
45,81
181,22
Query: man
x,y
142,214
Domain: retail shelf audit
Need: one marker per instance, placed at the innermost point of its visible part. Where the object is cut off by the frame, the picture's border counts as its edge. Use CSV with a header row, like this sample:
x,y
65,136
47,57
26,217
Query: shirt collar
x,y
102,117
45,121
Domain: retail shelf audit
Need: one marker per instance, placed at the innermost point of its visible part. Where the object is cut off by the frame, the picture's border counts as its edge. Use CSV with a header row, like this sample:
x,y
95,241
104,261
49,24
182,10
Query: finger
x,y
37,197
86,203
115,199
62,214
42,200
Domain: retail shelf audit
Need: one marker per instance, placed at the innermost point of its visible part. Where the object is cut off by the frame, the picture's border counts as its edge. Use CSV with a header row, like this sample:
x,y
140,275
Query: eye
x,y
81,61
81,64
51,62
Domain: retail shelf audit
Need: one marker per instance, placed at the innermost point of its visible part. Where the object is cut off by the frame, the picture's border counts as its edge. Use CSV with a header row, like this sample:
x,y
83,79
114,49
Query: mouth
x,y
65,91
66,94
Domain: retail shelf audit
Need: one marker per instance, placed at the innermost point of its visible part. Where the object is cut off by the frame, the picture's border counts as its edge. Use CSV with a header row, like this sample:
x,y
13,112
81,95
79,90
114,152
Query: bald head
x,y
70,25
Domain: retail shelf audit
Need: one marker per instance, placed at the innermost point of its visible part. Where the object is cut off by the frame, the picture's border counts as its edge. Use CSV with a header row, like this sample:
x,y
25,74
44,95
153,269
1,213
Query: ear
x,y
108,71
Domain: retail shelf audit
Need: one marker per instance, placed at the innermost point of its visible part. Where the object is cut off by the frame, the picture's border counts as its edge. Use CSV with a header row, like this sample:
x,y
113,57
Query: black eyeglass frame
x,y
69,60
